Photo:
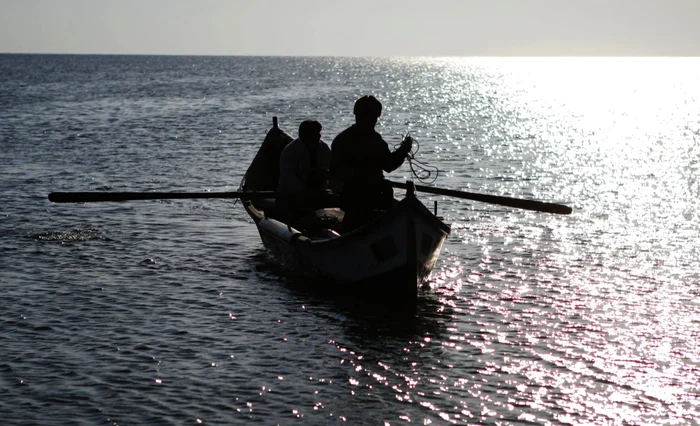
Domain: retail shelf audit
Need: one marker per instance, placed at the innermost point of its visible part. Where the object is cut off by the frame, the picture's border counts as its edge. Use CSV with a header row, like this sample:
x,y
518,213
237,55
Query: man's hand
x,y
407,144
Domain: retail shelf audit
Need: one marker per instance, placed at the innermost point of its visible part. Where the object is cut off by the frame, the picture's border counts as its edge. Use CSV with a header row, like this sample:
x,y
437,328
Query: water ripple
x,y
170,312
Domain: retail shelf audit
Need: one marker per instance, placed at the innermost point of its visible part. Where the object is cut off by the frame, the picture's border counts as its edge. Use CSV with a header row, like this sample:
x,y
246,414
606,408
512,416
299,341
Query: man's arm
x,y
340,170
289,172
396,158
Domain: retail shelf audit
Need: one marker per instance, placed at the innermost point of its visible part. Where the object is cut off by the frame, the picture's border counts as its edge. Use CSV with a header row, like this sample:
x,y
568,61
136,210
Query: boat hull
x,y
391,255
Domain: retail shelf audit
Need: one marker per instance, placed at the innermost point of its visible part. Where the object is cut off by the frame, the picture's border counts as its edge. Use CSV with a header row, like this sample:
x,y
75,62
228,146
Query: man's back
x,y
296,165
359,155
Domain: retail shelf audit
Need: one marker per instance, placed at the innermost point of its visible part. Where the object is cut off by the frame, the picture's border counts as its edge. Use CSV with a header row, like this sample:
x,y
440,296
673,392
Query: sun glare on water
x,y
619,140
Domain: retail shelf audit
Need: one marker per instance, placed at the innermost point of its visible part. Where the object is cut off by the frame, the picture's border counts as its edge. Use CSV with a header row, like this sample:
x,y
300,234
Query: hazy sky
x,y
353,28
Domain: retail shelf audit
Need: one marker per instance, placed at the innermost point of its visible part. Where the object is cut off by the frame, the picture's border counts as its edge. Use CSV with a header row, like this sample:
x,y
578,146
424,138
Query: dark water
x,y
169,312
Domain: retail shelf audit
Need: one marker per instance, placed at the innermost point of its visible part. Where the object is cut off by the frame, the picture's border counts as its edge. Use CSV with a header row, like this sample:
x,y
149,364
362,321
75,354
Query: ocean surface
x,y
171,313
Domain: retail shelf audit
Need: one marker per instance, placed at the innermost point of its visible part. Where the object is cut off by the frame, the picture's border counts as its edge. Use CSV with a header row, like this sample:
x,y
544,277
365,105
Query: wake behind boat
x,y
391,255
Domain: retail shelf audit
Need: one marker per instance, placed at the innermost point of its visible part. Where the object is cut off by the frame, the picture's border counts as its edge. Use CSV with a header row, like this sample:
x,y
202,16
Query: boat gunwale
x,y
408,205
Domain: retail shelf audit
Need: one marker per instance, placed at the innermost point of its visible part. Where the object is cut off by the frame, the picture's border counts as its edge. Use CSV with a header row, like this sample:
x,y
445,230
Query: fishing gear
x,y
420,170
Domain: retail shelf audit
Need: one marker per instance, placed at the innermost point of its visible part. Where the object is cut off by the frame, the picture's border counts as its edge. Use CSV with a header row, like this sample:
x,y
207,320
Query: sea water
x,y
170,312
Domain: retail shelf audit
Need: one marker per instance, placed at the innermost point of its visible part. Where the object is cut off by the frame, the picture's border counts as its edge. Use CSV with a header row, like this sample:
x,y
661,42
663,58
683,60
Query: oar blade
x,y
539,206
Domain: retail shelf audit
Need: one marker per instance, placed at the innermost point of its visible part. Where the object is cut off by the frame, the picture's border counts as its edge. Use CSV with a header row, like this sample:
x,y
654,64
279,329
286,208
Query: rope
x,y
420,170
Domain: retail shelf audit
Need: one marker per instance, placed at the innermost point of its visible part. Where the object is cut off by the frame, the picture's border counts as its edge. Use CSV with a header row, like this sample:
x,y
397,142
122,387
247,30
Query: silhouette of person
x,y
360,156
304,165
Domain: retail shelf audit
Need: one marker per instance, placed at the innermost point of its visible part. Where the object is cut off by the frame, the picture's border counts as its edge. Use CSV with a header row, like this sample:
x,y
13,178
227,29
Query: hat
x,y
368,105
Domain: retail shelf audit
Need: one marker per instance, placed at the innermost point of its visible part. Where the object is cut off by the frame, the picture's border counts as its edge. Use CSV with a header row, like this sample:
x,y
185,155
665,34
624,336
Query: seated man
x,y
304,167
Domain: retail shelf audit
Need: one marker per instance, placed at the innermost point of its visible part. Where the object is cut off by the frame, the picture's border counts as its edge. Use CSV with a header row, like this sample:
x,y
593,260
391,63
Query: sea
x,y
170,312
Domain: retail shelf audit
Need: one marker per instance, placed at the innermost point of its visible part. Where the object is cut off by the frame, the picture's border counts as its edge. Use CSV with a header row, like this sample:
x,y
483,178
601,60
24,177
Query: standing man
x,y
359,157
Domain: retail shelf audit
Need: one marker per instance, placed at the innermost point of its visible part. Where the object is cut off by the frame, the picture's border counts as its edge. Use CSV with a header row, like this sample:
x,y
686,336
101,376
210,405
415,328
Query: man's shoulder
x,y
354,135
291,147
345,135
377,136
294,142
324,153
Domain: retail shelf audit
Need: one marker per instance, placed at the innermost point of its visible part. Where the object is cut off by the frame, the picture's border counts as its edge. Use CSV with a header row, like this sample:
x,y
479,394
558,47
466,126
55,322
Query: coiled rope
x,y
423,172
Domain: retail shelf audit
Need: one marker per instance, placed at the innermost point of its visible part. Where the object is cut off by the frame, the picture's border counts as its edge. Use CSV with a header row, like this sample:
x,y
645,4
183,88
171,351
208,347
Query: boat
x,y
391,256
388,257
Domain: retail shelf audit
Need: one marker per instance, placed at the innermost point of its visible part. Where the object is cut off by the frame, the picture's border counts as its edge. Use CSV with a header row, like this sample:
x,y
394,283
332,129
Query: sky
x,y
353,28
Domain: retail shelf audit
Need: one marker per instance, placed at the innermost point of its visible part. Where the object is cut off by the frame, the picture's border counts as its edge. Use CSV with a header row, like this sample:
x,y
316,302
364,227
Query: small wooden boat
x,y
390,256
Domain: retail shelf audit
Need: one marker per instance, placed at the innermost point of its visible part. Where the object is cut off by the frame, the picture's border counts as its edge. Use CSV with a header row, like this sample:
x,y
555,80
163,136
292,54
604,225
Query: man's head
x,y
367,110
310,130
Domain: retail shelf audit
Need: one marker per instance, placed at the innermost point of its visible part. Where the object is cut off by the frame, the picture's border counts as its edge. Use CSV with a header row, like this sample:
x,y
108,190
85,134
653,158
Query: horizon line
x,y
533,56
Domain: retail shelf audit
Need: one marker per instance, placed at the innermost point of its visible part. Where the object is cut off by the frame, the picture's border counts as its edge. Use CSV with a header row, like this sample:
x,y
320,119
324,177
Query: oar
x,y
90,197
538,206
